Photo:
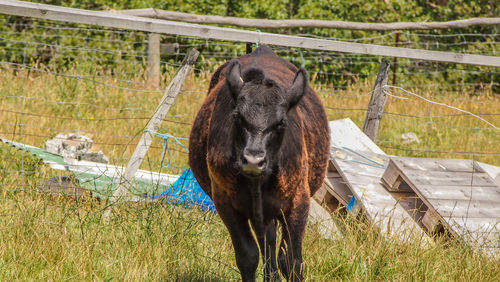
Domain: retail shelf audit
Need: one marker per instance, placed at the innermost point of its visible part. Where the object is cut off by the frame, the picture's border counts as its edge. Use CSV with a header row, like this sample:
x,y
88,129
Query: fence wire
x,y
60,78
69,78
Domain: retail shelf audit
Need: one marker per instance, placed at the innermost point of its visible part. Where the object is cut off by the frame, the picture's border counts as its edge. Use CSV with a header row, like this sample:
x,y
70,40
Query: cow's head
x,y
260,116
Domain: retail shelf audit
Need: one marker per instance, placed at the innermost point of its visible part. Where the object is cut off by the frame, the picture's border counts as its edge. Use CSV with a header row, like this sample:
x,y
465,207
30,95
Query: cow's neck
x,y
257,211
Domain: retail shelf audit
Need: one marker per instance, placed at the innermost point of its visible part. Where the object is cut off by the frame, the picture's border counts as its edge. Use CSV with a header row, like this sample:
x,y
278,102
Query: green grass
x,y
56,238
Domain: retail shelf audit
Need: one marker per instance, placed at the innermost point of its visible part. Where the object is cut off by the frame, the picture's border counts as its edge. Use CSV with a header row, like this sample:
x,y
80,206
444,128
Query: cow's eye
x,y
282,123
241,121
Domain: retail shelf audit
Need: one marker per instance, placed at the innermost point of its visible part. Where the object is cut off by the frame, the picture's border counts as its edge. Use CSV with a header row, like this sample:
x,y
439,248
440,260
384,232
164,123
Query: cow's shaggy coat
x,y
259,147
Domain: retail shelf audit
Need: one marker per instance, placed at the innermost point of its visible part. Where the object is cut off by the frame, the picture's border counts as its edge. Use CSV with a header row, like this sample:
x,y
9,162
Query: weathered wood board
x,y
345,133
493,171
361,163
334,193
324,221
459,195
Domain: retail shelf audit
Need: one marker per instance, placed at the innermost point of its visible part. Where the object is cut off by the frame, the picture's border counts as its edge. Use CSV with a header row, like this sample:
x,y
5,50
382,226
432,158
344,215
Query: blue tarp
x,y
187,191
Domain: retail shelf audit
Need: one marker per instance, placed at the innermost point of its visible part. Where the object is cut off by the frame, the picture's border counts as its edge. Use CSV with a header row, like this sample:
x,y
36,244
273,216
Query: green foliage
x,y
128,48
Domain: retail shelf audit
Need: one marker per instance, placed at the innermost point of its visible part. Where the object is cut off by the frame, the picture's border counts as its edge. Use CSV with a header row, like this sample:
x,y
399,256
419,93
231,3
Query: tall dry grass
x,y
116,118
56,238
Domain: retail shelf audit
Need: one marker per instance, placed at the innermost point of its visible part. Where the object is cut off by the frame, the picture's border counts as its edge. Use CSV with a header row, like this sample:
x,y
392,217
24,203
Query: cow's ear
x,y
233,78
298,88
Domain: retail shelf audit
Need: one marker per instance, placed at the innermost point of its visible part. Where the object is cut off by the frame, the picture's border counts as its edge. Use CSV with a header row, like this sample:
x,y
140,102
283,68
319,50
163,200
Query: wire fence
x,y
68,78
60,78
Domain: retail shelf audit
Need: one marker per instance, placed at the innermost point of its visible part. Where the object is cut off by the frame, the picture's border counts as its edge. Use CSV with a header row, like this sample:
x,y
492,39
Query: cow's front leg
x,y
245,247
290,252
267,244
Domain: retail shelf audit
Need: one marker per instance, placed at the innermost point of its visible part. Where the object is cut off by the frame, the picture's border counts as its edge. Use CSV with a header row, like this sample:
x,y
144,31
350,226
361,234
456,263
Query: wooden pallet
x,y
334,193
353,181
386,210
457,195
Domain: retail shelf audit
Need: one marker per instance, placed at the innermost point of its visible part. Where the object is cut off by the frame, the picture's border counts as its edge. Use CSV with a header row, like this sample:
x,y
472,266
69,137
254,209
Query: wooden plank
x,y
437,186
443,165
357,165
492,252
466,208
322,218
320,215
334,193
321,193
332,203
153,125
94,168
432,221
50,12
478,239
344,133
377,103
442,178
160,113
412,204
432,173
453,192
482,240
336,186
332,174
292,23
493,171
116,172
478,224
392,177
479,232
340,190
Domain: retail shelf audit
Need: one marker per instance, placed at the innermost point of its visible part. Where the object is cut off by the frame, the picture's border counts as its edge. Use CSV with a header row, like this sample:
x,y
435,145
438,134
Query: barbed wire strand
x,y
441,104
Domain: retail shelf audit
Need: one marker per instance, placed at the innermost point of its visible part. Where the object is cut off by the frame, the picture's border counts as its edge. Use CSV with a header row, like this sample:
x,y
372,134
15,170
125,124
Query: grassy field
x,y
46,237
56,238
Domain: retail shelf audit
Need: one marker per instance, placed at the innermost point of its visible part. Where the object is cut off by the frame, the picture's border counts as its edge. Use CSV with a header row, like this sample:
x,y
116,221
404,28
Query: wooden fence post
x,y
153,69
249,47
377,103
395,61
152,126
169,49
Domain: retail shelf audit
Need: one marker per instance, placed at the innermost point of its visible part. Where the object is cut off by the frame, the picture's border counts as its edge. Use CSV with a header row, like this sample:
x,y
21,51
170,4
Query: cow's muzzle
x,y
253,164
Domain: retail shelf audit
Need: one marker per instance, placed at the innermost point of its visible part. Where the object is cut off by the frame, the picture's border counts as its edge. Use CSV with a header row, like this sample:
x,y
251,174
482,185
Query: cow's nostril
x,y
261,164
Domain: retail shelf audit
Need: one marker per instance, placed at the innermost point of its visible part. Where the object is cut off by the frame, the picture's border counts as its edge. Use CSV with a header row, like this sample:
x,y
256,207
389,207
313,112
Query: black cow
x,y
259,147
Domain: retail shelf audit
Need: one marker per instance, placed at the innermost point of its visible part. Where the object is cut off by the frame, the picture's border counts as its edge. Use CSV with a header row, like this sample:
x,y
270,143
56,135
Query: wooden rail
x,y
50,12
265,23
